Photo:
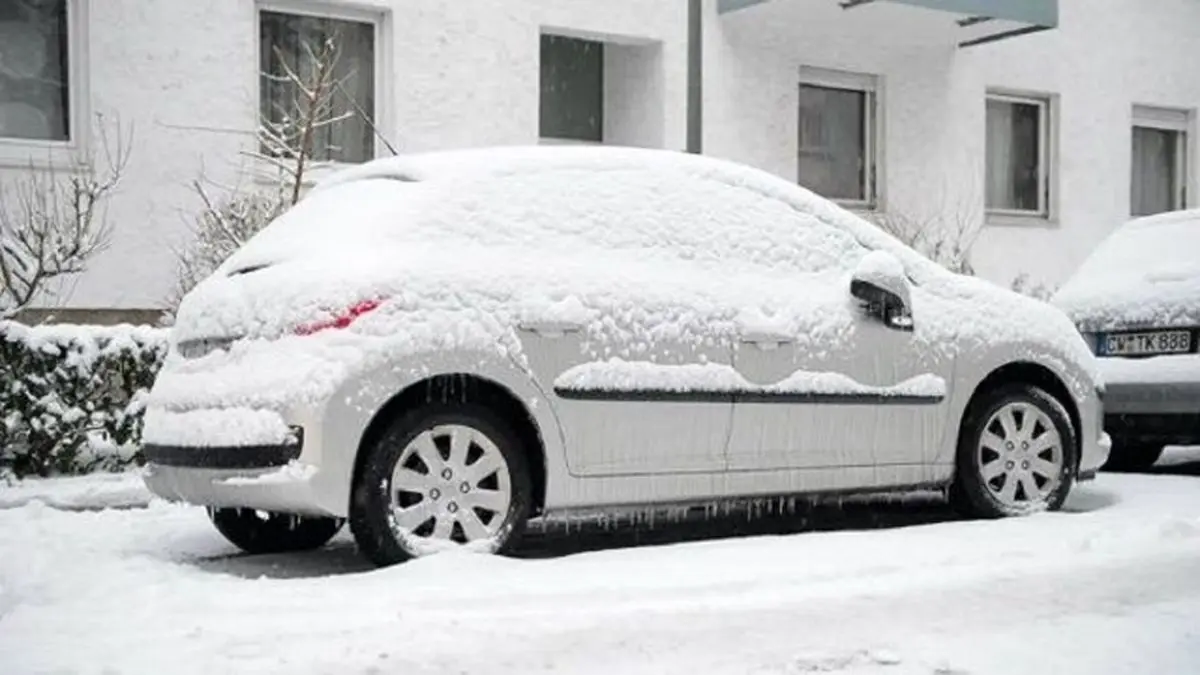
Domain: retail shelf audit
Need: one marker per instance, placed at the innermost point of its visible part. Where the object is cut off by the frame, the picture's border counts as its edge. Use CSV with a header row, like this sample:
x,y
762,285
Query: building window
x,y
837,137
35,100
1160,161
571,90
1018,155
294,43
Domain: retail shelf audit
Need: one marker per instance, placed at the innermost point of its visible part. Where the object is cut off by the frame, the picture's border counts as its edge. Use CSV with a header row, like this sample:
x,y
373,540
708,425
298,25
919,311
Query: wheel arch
x,y
1029,373
465,387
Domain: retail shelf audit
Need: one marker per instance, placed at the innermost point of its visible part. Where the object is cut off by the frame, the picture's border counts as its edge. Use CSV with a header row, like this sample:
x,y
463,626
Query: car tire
x,y
418,491
258,532
1015,440
1132,455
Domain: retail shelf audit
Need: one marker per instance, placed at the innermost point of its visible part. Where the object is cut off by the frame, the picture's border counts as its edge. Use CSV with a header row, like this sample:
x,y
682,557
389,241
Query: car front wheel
x,y
1016,454
256,531
441,476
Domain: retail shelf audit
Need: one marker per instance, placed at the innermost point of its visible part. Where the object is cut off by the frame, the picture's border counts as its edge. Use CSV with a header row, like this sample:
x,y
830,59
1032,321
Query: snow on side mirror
x,y
880,284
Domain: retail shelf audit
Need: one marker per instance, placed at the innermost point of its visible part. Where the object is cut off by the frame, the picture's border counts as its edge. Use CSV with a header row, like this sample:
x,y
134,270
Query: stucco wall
x,y
1106,56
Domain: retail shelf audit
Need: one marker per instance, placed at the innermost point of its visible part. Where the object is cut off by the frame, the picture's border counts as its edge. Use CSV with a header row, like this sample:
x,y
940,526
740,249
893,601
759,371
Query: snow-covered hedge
x,y
71,397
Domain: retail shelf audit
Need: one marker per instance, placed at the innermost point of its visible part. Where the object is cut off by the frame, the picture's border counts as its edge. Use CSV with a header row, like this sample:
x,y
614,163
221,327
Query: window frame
x,y
871,86
1047,156
44,153
1180,121
379,16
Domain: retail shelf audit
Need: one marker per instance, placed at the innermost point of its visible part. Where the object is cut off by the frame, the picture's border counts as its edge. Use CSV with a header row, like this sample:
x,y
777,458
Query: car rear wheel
x,y
1133,455
441,476
256,531
1016,454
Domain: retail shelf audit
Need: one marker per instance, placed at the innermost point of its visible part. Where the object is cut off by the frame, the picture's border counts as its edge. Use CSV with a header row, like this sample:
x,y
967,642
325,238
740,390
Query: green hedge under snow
x,y
71,397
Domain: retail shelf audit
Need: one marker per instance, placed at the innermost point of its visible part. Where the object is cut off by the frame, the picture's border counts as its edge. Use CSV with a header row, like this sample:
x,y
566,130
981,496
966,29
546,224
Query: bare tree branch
x,y
306,105
368,120
53,220
945,236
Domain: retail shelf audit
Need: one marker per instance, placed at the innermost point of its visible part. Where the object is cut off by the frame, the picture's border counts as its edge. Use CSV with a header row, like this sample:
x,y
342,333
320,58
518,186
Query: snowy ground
x,y
1112,585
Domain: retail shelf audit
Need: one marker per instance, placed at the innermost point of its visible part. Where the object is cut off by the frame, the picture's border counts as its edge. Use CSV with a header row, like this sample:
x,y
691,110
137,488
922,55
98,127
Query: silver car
x,y
438,348
1137,301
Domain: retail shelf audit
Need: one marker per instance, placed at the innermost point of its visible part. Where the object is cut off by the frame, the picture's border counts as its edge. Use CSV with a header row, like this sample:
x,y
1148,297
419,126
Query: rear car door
x,y
628,416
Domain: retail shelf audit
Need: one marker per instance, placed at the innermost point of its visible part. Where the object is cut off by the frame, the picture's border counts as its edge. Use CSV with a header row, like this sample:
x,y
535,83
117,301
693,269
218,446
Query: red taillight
x,y
341,320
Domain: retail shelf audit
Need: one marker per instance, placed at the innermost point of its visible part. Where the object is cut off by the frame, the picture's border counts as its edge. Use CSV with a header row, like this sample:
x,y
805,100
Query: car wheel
x,y
441,476
1016,454
1132,455
256,531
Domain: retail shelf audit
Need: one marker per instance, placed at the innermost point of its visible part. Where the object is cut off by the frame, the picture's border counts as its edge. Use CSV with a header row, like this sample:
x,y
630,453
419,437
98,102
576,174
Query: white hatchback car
x,y
440,347
1137,301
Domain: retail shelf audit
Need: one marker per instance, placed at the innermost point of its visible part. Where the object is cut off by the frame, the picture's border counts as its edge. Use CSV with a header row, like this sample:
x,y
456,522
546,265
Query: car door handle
x,y
550,329
767,340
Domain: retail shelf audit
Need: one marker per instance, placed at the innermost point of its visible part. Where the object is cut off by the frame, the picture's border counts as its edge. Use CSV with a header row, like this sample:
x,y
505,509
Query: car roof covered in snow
x,y
684,177
493,162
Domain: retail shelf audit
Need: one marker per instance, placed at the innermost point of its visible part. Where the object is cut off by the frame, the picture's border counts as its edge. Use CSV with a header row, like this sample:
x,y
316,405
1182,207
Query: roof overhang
x,y
980,21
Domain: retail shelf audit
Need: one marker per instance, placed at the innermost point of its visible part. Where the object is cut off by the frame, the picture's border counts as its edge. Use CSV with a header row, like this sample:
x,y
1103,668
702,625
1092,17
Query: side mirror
x,y
880,284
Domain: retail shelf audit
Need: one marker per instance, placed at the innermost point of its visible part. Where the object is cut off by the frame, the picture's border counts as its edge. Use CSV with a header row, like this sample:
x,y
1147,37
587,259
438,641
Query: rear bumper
x,y
293,488
190,459
227,457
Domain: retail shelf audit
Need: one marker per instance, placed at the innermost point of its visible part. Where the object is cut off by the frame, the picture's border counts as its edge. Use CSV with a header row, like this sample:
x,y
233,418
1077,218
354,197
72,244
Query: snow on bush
x,y
71,397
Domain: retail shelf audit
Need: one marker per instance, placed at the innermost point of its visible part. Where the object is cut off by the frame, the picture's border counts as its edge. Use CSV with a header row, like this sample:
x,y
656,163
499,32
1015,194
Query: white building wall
x,y
457,73
1106,56
465,73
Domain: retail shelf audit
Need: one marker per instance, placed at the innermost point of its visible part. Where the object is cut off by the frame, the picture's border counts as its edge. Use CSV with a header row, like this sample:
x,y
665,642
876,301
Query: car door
x,y
845,391
630,415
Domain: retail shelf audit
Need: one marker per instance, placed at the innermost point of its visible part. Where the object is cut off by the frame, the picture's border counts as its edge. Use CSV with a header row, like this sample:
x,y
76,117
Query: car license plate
x,y
1143,344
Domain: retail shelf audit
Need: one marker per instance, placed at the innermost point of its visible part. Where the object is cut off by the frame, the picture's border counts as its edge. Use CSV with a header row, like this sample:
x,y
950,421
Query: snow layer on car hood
x,y
1145,273
459,248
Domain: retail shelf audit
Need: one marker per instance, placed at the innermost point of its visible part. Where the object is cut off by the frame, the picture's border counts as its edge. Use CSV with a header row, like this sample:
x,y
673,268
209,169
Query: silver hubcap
x,y
1021,456
452,484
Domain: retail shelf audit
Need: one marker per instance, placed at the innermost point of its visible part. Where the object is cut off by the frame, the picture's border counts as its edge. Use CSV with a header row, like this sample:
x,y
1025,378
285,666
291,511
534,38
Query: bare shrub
x,y
53,220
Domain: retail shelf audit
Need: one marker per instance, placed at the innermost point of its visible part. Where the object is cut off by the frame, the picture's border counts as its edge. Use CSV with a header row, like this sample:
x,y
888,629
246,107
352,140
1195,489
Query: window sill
x,y
16,153
859,208
550,140
1017,219
265,174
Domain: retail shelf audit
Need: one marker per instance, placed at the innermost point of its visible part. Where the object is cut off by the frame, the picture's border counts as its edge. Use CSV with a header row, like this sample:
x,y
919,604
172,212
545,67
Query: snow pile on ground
x,y
455,250
91,492
1146,273
1107,587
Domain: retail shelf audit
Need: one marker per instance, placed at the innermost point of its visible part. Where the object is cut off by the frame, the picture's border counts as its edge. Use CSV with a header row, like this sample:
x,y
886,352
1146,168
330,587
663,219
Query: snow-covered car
x,y
1136,299
439,347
